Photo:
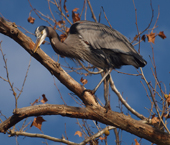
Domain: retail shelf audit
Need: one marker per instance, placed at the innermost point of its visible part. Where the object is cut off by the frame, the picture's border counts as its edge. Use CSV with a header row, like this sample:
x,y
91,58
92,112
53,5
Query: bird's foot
x,y
107,106
92,92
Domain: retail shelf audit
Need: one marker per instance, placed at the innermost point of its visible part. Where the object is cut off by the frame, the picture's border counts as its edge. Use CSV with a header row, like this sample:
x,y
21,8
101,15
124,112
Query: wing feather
x,y
102,46
101,36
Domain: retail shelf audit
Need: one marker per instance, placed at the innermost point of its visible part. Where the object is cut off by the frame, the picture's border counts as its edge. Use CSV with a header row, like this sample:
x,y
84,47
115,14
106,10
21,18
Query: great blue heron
x,y
96,43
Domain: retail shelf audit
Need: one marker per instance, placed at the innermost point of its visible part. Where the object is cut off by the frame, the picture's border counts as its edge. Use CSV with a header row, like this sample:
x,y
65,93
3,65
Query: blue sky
x,y
121,15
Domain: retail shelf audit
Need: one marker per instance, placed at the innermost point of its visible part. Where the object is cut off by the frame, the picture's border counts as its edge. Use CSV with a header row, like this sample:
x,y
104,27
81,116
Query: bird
x,y
96,43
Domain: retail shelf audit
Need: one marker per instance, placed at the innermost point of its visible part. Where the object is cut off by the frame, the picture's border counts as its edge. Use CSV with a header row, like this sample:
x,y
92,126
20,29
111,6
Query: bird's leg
x,y
107,105
98,85
95,89
106,93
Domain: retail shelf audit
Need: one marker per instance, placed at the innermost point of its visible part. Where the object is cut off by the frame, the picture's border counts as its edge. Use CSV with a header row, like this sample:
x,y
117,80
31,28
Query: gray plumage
x,y
96,43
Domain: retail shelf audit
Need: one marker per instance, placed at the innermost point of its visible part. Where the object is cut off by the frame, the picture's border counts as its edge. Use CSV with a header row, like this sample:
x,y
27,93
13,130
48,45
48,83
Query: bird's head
x,y
41,33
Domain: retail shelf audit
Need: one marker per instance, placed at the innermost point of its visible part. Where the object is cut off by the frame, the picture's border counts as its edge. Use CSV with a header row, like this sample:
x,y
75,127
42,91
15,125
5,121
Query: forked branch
x,y
92,111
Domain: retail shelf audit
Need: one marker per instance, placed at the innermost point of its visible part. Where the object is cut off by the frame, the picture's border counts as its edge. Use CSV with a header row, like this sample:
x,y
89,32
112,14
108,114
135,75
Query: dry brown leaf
x,y
65,8
63,37
136,37
59,23
75,9
162,35
75,16
136,142
165,115
37,122
36,101
83,81
78,133
44,99
67,30
155,119
102,138
143,37
86,74
31,20
151,37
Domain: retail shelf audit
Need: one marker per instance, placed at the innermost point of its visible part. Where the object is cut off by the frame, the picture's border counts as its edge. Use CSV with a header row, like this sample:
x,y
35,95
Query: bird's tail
x,y
135,59
140,62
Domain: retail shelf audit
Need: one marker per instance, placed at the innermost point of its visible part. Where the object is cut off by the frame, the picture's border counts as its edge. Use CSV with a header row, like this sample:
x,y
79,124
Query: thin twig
x,y
91,9
138,36
139,33
106,17
36,12
59,8
36,135
153,99
96,135
8,79
124,101
82,130
66,132
126,73
51,11
25,78
84,5
59,92
116,136
156,19
73,97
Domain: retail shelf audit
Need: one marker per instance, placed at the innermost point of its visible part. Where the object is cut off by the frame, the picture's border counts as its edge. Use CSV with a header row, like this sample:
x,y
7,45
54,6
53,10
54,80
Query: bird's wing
x,y
100,36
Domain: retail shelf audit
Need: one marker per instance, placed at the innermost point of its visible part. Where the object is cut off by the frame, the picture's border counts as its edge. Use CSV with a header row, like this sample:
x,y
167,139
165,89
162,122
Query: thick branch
x,y
11,30
94,113
99,114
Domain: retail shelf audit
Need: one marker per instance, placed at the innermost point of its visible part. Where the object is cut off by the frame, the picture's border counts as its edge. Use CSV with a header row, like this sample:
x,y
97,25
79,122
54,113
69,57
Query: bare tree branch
x,y
92,111
111,118
54,68
36,135
8,79
91,9
125,103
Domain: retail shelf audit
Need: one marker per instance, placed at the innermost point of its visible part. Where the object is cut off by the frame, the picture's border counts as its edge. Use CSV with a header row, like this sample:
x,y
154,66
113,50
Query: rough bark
x,y
11,30
92,110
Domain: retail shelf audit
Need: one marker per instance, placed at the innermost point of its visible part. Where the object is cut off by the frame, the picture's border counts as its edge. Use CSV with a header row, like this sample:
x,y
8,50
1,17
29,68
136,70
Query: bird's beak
x,y
39,40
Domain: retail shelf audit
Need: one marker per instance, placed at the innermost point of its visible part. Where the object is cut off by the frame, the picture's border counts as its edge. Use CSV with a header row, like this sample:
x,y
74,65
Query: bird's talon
x,y
93,93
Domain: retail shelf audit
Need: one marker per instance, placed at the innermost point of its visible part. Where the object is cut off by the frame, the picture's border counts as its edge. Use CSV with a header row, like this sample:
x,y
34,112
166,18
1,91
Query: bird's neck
x,y
59,47
52,33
